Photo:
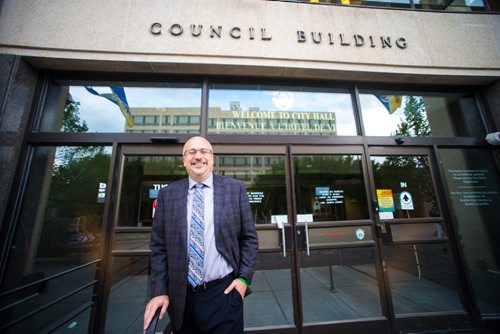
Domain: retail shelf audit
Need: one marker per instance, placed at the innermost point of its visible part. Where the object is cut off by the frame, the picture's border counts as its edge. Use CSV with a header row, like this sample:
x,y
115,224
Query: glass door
x,y
142,171
423,289
327,260
271,306
339,266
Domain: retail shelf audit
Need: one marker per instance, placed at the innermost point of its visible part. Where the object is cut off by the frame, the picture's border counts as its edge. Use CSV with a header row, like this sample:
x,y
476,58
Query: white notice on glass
x,y
280,220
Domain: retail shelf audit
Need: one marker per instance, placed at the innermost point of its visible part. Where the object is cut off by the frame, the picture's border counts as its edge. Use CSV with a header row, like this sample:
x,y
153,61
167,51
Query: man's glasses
x,y
204,152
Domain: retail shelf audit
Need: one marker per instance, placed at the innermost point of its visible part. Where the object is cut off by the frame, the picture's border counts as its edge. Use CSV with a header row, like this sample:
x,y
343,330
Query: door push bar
x,y
283,238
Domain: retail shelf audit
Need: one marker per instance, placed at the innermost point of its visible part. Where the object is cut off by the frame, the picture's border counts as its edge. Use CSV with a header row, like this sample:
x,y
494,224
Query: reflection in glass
x,y
473,181
45,320
459,5
399,178
419,114
165,108
76,325
143,177
264,178
59,228
129,295
273,110
270,303
331,188
61,216
128,240
422,278
339,284
380,3
415,231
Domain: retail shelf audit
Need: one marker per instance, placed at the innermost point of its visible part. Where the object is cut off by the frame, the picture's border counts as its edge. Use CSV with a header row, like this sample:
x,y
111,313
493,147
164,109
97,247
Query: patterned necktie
x,y
196,238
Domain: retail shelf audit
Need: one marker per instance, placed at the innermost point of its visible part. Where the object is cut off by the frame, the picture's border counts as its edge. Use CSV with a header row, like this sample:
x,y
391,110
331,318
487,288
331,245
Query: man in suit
x,y
203,248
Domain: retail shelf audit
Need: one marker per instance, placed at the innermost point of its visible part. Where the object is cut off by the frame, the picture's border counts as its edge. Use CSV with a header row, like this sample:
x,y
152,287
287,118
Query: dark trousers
x,y
212,312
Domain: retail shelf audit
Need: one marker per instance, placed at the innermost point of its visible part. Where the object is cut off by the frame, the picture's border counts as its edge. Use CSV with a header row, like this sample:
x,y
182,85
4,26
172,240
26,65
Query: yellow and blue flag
x,y
118,97
390,102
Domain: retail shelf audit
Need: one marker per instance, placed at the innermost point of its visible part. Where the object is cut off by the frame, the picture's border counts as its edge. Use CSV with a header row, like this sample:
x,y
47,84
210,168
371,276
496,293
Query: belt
x,y
207,285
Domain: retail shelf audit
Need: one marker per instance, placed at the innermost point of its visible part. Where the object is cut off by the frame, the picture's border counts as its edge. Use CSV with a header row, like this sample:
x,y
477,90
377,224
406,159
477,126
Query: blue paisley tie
x,y
196,238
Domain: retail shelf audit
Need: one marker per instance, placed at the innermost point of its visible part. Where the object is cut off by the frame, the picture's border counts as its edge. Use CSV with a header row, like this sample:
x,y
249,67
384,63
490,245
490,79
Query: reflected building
x,y
235,120
164,120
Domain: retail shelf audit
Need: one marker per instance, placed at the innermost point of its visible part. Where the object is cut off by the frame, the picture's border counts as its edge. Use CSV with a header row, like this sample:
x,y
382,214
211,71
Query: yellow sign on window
x,y
385,200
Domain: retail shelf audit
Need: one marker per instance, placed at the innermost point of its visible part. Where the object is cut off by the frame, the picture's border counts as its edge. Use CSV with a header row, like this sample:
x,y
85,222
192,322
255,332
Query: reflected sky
x,y
102,115
376,118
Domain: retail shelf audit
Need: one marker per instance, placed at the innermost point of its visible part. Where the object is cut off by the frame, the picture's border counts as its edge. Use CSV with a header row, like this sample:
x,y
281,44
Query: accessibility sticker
x,y
406,200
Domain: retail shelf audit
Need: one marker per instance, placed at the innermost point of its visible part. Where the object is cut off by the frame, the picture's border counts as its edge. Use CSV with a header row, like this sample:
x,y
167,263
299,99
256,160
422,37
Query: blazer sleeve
x,y
249,245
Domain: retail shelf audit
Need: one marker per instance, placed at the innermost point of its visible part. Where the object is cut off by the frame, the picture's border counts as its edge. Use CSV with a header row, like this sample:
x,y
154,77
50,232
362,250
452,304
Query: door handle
x,y
384,232
307,238
382,229
283,239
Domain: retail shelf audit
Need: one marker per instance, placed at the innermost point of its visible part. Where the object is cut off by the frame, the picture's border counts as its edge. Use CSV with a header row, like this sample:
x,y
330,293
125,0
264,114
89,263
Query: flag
x,y
117,97
390,102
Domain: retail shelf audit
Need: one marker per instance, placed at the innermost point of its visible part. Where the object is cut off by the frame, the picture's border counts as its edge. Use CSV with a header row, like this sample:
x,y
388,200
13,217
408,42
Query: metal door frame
x,y
287,151
461,276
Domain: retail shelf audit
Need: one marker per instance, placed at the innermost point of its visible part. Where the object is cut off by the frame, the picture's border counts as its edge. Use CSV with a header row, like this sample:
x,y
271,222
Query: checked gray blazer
x,y
235,238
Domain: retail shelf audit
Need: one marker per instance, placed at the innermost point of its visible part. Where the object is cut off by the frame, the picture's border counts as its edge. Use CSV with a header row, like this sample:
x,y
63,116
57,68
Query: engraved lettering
x,y
155,28
401,43
330,38
342,40
315,39
301,36
238,32
215,32
264,37
176,29
386,42
235,32
195,32
359,40
371,42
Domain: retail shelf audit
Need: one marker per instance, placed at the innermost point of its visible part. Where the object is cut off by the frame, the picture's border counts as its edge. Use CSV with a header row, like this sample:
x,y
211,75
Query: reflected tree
x,y
414,169
71,118
415,123
73,123
76,174
72,205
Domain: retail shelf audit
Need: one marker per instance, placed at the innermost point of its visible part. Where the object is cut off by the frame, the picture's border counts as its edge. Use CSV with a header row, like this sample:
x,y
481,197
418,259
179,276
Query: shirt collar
x,y
208,182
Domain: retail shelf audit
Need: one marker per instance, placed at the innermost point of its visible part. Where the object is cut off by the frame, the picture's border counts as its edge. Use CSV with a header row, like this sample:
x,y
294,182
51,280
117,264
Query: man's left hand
x,y
238,285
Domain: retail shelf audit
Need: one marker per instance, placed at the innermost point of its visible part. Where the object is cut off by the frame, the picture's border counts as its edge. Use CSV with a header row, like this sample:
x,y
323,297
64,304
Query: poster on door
x,y
385,203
